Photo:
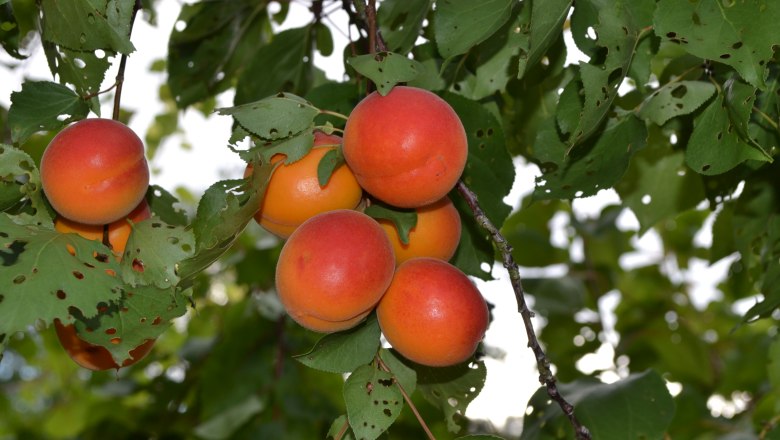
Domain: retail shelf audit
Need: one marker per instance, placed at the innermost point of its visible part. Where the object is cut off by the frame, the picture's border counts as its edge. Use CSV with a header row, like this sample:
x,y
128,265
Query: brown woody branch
x,y
120,75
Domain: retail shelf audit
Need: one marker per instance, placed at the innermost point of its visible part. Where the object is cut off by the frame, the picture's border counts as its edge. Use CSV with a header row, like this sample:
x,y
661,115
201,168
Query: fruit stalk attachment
x,y
546,377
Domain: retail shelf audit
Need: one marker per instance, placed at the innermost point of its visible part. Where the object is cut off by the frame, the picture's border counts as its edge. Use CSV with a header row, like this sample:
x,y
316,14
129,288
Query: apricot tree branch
x,y
546,377
120,75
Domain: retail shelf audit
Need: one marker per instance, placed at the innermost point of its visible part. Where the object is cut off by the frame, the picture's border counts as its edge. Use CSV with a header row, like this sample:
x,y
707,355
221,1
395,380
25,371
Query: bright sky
x,y
511,380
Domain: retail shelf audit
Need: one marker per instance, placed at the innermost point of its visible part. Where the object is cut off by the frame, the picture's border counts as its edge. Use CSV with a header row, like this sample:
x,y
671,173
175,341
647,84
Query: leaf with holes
x,y
84,70
400,22
596,165
546,21
452,389
43,105
275,117
741,34
404,220
141,313
373,401
153,251
403,373
87,25
461,24
294,148
44,273
165,206
675,99
715,145
619,30
9,33
385,69
345,351
20,188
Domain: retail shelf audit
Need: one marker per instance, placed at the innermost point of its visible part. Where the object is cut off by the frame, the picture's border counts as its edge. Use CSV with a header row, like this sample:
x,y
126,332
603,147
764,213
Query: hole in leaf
x,y
480,133
720,135
2,297
78,275
725,56
19,279
138,265
705,167
671,34
157,321
387,412
116,341
111,331
71,249
736,45
679,91
61,294
173,240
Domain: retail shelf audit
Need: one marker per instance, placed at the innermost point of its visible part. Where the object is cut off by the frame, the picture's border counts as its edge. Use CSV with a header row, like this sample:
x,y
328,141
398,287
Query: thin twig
x,y
546,377
408,399
120,75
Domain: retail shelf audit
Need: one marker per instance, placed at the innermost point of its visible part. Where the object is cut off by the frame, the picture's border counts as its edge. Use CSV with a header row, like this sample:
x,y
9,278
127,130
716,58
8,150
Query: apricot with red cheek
x,y
334,269
408,148
94,171
432,313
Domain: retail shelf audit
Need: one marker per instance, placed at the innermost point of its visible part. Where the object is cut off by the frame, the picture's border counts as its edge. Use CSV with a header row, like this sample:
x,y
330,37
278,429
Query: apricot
x,y
95,357
94,171
333,270
436,234
294,194
432,313
408,148
118,231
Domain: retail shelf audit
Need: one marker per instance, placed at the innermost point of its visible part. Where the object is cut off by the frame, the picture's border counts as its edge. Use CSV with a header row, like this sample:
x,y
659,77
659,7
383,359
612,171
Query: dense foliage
x,y
677,109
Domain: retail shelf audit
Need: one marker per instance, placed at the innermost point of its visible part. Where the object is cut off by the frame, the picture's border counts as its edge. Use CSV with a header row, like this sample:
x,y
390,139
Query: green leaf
x,y
714,146
404,220
638,406
675,99
373,401
773,368
277,66
546,26
324,39
152,252
84,70
400,22
41,279
528,232
403,373
165,206
597,165
88,25
20,187
451,389
294,148
343,352
43,105
489,170
275,117
226,423
739,34
385,69
461,24
563,296
9,31
620,28
328,164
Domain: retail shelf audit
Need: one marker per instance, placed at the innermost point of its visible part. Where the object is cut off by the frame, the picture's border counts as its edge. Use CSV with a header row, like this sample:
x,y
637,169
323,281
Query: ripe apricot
x,y
294,194
95,357
432,313
118,231
408,148
94,171
436,234
334,269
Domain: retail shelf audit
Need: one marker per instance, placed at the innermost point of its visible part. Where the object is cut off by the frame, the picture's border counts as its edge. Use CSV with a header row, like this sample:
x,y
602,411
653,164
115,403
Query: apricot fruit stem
x,y
120,75
546,377
333,113
381,364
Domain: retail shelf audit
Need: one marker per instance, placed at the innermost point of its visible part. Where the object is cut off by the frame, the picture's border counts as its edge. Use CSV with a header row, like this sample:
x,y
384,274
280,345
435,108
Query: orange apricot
x,y
95,357
294,194
94,171
118,231
408,148
432,313
436,234
334,269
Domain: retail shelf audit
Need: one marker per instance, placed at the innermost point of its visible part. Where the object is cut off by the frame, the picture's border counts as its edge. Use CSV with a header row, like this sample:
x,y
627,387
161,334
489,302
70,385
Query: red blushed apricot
x,y
436,234
334,268
118,231
294,195
432,313
95,357
94,171
408,148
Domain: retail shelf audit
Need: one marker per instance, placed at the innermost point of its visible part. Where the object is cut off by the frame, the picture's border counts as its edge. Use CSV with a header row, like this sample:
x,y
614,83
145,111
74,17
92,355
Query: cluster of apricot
x,y
406,149
95,176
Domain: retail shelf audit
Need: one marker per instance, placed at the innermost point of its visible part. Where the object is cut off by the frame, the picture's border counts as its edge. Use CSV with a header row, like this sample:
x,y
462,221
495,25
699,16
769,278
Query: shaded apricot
x,y
95,357
94,171
436,234
432,313
334,268
294,194
408,148
118,231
